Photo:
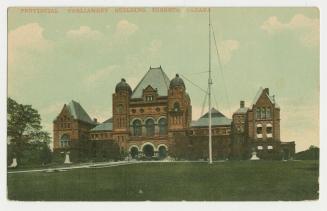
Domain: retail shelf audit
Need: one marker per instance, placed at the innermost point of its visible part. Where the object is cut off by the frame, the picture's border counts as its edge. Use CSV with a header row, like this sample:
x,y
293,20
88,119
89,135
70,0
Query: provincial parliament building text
x,y
155,120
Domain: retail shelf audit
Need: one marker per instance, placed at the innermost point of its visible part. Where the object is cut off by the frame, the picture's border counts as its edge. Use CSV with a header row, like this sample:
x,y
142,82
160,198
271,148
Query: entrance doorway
x,y
148,151
134,152
162,152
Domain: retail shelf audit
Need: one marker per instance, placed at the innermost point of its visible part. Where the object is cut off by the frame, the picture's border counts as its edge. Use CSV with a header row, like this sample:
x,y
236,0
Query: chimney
x,y
95,120
266,90
242,104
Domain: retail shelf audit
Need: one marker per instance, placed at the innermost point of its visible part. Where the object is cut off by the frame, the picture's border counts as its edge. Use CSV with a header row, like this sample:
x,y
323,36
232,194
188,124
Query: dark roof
x,y
259,93
78,112
123,86
217,119
177,81
157,79
104,126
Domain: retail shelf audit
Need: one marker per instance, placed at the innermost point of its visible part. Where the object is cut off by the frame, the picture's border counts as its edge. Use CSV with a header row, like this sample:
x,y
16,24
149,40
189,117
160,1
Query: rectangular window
x,y
270,147
263,113
260,148
258,113
268,113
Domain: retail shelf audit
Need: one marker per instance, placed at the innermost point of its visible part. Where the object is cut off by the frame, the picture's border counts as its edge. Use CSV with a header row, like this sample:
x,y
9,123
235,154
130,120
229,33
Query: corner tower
x,y
179,105
120,108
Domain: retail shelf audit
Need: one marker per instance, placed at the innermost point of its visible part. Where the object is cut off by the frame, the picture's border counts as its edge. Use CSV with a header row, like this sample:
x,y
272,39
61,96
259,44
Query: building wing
x,y
217,119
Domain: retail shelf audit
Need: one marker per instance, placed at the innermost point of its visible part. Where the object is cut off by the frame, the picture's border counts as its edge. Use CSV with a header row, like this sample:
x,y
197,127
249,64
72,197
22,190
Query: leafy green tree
x,y
23,128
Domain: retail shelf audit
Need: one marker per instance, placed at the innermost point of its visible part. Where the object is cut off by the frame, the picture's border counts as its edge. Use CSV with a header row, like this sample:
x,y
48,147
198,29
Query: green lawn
x,y
225,181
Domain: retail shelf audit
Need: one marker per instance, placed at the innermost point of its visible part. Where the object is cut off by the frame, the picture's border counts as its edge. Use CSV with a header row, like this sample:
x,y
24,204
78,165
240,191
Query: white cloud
x,y
226,49
84,32
124,29
26,37
305,28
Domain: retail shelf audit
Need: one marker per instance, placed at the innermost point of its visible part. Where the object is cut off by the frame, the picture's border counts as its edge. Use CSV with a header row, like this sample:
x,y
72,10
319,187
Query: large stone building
x,y
154,118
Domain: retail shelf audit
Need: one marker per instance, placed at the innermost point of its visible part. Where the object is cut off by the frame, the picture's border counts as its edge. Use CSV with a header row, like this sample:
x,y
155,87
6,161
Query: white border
x,y
306,205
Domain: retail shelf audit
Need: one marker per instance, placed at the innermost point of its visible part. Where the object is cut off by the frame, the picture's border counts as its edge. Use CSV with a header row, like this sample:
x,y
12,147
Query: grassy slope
x,y
246,180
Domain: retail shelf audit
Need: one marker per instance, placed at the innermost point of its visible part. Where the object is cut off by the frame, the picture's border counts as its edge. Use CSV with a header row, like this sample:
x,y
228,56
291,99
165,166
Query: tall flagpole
x,y
209,92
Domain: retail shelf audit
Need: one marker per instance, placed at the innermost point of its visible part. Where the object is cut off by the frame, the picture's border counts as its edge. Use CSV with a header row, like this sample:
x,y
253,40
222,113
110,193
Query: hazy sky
x,y
56,57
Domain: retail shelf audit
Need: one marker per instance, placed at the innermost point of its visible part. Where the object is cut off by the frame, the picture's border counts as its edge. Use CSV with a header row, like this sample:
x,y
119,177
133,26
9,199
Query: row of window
x,y
121,122
260,129
64,125
65,118
99,135
220,131
142,110
268,147
149,98
150,127
263,113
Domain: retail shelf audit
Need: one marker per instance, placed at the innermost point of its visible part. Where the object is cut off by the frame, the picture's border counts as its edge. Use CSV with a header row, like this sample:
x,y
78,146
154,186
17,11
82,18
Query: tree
x,y
23,127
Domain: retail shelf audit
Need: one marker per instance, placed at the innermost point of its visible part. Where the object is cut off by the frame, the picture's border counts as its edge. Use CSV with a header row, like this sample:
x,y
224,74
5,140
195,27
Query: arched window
x,y
134,152
137,128
162,152
149,124
162,126
120,108
65,141
176,107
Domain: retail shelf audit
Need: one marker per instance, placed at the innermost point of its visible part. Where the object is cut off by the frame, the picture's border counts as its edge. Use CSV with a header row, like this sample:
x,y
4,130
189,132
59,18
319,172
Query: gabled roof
x,y
259,93
217,119
78,112
104,126
257,96
157,79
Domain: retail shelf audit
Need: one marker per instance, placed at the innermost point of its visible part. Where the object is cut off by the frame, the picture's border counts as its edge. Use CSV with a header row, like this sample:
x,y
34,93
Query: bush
x,y
36,153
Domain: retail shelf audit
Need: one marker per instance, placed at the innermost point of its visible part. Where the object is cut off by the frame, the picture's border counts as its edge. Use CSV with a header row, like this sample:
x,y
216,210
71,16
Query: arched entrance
x,y
134,152
162,152
148,151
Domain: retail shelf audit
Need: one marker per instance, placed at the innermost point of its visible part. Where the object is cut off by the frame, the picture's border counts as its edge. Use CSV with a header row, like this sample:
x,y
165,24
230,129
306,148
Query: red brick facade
x,y
152,119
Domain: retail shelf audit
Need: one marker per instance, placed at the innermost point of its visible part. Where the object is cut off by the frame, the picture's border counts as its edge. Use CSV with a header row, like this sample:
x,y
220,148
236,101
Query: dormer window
x,y
149,98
